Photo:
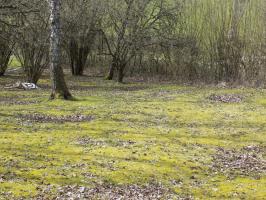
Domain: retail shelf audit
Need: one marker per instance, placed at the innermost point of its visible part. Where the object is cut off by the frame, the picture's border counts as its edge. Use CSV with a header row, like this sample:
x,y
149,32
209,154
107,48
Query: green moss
x,y
140,134
21,190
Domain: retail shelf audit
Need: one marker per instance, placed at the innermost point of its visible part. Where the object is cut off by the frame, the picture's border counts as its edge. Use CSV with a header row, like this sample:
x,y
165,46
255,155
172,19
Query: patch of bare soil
x,y
55,119
131,192
18,102
248,161
122,88
167,95
226,98
86,141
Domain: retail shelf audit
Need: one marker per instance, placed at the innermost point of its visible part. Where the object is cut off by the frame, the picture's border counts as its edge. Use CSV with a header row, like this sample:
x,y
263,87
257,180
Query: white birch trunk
x,y
59,87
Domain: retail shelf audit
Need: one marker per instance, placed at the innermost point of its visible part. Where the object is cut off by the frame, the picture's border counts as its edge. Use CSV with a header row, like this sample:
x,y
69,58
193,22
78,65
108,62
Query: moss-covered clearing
x,y
140,133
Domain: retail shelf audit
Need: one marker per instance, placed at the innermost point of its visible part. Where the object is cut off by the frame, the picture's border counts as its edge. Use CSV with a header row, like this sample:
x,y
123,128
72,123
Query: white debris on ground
x,y
22,85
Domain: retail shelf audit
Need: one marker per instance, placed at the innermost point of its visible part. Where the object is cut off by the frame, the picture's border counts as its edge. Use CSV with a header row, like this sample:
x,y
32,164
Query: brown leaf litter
x,y
248,161
226,98
109,192
55,119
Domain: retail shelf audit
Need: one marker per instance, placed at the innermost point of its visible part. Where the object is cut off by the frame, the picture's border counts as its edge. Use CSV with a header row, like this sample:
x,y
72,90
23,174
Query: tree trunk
x,y
59,87
33,77
80,48
3,68
78,57
73,54
112,69
5,55
121,73
82,59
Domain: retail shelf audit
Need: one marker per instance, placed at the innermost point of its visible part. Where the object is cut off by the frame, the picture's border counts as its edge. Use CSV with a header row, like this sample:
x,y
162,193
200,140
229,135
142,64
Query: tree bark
x,y
59,87
111,72
73,54
121,74
5,55
79,48
78,57
3,70
33,77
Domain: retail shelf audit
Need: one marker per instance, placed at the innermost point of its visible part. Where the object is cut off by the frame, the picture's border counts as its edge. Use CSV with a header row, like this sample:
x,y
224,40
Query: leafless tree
x,y
80,22
6,49
132,25
32,39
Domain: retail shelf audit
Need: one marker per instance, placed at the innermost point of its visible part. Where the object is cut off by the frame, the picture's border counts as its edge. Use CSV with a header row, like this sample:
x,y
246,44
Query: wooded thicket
x,y
190,41
189,122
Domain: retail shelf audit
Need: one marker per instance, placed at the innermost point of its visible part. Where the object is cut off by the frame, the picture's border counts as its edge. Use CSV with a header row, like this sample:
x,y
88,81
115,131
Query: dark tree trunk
x,y
80,48
5,55
78,57
112,69
34,63
73,54
59,87
3,69
2,72
121,74
34,77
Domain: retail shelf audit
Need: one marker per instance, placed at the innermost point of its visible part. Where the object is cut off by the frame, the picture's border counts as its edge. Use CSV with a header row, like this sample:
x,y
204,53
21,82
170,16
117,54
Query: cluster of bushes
x,y
198,40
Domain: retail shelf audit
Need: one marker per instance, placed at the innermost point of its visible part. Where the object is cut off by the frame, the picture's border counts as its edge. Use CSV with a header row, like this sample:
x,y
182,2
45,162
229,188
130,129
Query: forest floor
x,y
132,141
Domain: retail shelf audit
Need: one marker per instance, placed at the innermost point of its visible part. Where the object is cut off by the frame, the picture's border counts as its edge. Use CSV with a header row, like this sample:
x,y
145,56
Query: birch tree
x,y
59,87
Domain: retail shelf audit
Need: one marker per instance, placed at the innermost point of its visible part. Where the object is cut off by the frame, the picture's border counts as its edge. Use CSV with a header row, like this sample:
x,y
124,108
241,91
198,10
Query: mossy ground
x,y
140,133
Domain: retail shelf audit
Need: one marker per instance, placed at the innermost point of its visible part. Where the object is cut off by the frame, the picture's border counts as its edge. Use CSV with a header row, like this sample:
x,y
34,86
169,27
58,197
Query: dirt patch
x,y
88,141
131,192
226,98
248,161
123,88
18,102
85,141
166,95
10,177
55,119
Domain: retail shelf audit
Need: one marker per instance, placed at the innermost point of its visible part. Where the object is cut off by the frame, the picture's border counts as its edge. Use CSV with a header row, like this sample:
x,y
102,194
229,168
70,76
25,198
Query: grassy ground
x,y
138,134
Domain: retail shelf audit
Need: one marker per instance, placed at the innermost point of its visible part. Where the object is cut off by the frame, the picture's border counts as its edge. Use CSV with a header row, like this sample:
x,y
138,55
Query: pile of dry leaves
x,y
247,161
55,119
131,192
226,98
85,141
